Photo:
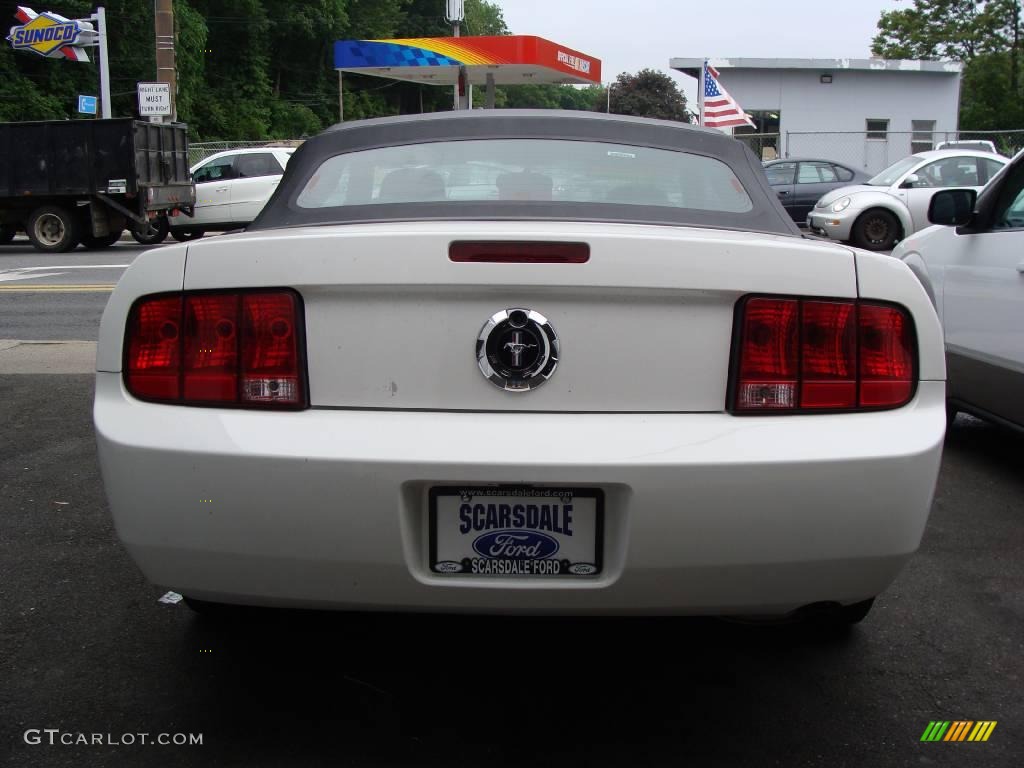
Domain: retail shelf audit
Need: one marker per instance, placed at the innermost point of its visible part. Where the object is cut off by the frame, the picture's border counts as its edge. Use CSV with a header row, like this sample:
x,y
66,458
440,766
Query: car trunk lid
x,y
644,324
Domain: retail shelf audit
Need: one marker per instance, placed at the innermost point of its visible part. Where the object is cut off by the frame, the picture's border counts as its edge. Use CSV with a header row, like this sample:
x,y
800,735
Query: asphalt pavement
x,y
58,296
86,648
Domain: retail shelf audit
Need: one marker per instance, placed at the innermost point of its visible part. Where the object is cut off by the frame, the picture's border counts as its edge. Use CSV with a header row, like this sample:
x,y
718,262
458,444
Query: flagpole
x,y
700,94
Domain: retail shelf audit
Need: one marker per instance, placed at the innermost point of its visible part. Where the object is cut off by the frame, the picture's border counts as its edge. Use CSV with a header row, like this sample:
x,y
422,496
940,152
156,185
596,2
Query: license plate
x,y
516,531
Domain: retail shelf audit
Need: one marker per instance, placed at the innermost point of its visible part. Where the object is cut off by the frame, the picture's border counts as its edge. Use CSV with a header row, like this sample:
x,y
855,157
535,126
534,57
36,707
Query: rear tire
x,y
7,234
53,229
876,230
91,241
154,235
185,235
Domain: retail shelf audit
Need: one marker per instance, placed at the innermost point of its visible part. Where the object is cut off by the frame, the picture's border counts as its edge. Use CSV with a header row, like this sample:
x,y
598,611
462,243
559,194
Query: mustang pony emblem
x,y
517,349
517,345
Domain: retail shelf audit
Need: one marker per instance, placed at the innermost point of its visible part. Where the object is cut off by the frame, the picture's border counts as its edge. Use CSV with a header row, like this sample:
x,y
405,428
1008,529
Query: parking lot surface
x,y
87,648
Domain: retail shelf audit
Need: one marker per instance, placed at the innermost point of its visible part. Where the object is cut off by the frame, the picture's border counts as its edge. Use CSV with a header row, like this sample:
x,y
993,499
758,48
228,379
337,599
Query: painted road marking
x,y
32,273
71,266
9,275
86,288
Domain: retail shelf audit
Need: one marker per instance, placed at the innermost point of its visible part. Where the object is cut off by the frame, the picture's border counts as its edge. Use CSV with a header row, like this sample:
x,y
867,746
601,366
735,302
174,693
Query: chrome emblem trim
x,y
517,349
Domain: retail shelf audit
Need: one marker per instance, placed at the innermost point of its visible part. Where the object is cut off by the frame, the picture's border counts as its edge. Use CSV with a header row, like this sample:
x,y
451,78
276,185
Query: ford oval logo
x,y
516,545
582,569
448,566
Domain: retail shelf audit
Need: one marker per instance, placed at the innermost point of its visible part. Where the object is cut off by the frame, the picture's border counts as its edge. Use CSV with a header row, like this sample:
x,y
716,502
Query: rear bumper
x,y
159,198
705,513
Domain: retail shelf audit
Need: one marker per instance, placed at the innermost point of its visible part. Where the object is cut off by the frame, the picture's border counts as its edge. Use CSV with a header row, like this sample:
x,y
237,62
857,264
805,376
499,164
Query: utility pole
x,y
101,31
341,99
166,71
455,12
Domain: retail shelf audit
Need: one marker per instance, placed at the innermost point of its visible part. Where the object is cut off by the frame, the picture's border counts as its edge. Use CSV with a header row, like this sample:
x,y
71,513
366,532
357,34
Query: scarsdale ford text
x,y
554,518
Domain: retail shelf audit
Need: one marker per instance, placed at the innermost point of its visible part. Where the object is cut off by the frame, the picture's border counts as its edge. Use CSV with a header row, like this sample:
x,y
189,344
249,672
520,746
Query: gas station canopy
x,y
508,59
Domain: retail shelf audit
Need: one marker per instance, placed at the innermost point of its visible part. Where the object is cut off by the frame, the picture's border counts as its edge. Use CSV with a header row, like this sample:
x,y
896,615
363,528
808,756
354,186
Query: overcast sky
x,y
628,35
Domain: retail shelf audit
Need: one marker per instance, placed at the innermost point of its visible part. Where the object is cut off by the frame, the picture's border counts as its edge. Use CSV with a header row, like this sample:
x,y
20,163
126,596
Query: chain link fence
x,y
203,149
870,151
767,146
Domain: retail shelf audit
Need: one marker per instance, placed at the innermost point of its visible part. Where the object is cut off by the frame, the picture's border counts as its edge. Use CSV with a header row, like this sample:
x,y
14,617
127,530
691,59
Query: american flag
x,y
720,110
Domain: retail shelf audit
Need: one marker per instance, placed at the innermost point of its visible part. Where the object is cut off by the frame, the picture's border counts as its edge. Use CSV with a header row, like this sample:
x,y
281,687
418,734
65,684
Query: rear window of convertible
x,y
535,170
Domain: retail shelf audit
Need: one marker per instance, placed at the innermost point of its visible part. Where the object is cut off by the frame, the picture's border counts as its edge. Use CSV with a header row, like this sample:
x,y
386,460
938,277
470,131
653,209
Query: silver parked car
x,y
894,204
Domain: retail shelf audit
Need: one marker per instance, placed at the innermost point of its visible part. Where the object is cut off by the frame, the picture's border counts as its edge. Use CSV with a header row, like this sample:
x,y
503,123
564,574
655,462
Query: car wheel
x,y
7,234
103,241
154,235
876,230
184,235
53,229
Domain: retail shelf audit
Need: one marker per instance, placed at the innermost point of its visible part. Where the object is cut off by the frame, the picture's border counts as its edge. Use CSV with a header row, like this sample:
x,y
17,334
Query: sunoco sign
x,y
51,35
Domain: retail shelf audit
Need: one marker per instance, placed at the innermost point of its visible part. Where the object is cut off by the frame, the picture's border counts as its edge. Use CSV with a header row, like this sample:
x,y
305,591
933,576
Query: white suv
x,y
231,189
973,269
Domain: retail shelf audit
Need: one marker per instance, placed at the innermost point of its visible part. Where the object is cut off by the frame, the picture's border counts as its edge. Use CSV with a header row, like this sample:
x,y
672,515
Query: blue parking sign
x,y
87,105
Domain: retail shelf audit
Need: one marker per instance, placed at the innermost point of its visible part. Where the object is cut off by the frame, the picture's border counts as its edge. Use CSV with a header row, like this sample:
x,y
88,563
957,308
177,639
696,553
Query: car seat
x,y
637,194
412,185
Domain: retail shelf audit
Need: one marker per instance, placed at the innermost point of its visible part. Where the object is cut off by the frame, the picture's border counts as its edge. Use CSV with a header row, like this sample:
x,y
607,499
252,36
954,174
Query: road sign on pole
x,y
154,99
87,105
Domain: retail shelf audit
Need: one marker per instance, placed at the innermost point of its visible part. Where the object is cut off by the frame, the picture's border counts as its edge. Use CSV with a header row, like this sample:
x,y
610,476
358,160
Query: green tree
x,y
256,69
37,88
190,53
648,93
546,96
984,34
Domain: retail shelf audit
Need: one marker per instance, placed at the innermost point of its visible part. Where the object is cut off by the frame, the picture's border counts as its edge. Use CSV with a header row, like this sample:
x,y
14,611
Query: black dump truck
x,y
65,182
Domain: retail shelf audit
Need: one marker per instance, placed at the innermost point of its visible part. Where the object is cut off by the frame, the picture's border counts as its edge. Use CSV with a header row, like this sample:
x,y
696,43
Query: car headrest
x,y
525,185
412,185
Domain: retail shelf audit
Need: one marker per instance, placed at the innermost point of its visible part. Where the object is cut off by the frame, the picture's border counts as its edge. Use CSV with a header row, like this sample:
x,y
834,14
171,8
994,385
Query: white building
x,y
885,109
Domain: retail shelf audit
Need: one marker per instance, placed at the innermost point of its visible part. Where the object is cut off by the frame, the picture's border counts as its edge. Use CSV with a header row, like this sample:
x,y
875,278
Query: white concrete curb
x,y
22,356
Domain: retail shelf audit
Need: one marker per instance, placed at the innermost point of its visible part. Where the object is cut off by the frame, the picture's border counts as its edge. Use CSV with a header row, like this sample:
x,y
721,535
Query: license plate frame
x,y
567,569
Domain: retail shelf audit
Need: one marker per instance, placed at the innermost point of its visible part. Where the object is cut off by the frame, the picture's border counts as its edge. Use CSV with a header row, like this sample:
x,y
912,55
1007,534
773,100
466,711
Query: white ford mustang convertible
x,y
522,362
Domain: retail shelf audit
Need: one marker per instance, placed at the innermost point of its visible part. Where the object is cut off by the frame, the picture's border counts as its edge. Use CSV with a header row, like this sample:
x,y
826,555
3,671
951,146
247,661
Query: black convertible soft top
x,y
766,214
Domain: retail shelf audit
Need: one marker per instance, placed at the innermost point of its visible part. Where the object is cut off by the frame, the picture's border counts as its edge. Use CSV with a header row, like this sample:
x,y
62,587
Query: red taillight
x,y
768,365
270,350
821,354
886,356
828,351
520,253
153,339
211,348
224,348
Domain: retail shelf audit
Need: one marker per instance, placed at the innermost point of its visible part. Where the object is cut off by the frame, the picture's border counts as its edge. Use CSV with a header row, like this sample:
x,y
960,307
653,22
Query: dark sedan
x,y
801,182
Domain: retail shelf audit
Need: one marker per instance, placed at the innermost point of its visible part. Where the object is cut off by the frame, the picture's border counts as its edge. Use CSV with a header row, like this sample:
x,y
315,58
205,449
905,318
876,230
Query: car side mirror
x,y
952,207
910,181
